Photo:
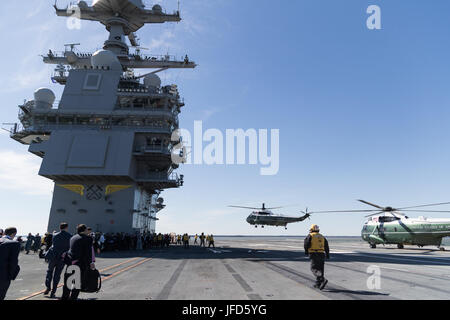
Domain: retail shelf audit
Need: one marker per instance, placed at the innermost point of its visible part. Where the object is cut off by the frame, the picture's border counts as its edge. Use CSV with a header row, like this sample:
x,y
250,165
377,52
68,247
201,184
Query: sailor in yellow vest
x,y
202,240
211,241
186,241
316,246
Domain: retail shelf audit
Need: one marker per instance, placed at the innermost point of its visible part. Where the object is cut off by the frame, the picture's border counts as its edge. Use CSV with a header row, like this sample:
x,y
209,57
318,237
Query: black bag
x,y
49,254
66,258
91,282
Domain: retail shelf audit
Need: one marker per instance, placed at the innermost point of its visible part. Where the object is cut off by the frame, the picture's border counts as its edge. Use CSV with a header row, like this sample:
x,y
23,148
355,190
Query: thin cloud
x,y
162,42
35,10
19,173
208,113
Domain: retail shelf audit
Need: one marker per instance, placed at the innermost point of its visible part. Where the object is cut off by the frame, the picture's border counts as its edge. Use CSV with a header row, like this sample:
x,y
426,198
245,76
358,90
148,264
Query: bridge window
x,y
92,81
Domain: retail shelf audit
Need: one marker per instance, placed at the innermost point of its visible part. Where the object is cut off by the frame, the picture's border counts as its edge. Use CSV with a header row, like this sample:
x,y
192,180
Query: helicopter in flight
x,y
389,225
265,217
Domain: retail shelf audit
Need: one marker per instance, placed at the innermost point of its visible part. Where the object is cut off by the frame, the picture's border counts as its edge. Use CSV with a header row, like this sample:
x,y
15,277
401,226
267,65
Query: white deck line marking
x,y
424,259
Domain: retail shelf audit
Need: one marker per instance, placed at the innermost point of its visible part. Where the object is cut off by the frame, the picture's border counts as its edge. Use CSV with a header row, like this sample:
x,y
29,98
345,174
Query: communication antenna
x,y
11,130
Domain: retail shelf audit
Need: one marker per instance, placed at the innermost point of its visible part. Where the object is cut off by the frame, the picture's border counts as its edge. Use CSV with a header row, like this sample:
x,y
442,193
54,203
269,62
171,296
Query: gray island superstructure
x,y
107,144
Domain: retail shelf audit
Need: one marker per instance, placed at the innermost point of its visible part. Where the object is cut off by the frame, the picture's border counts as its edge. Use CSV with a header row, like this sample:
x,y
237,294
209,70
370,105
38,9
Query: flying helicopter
x,y
265,217
389,225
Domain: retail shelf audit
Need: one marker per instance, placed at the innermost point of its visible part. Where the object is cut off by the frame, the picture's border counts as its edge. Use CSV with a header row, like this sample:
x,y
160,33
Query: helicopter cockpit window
x,y
388,219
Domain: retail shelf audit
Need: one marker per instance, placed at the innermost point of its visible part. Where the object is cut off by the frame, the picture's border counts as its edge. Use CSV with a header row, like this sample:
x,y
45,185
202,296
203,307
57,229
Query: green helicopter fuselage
x,y
405,231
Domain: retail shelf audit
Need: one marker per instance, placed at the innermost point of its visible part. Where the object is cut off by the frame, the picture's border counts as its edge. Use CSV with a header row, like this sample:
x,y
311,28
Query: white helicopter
x,y
265,217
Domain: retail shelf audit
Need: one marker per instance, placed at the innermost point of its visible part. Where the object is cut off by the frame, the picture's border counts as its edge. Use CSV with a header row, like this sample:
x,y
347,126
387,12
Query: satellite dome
x,y
105,59
71,57
152,81
44,98
157,8
82,4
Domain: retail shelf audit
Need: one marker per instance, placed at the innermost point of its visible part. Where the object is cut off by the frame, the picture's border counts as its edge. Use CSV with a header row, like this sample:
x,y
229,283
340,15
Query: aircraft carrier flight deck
x,y
257,268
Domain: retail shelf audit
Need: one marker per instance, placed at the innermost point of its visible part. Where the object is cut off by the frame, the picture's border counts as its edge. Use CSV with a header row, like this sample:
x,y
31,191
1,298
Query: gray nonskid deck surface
x,y
256,269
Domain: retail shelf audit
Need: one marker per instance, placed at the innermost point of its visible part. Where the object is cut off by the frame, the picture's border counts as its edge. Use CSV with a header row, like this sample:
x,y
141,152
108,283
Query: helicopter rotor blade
x,y
344,211
395,213
239,207
425,205
374,214
282,207
430,211
263,207
371,204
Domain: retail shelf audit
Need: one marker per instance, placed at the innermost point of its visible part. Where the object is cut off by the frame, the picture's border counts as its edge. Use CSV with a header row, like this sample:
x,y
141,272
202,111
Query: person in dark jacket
x,y
44,245
37,242
316,246
81,254
48,239
9,260
29,243
60,244
20,241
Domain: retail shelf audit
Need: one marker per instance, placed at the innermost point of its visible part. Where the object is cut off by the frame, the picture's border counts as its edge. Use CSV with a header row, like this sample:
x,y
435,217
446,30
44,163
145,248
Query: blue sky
x,y
363,114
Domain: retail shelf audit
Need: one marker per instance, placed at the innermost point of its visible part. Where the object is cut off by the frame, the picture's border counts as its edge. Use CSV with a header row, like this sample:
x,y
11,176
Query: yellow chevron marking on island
x,y
77,188
115,188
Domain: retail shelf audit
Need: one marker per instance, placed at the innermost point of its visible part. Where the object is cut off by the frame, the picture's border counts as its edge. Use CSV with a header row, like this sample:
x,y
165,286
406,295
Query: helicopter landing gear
x,y
400,246
373,246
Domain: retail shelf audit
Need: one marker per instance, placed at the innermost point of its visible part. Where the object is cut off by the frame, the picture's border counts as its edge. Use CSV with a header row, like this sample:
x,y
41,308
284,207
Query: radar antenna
x,y
121,18
71,45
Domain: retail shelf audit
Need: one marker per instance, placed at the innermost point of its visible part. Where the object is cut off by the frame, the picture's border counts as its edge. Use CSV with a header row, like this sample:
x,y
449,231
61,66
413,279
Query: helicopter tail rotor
x,y
307,214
